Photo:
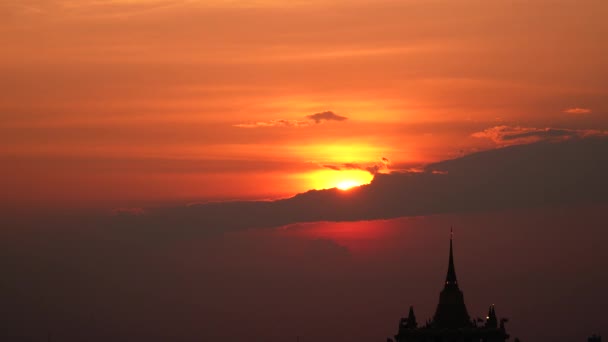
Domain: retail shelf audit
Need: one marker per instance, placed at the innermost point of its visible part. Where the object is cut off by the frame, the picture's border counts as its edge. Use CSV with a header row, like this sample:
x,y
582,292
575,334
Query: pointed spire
x,y
450,278
411,319
491,320
451,311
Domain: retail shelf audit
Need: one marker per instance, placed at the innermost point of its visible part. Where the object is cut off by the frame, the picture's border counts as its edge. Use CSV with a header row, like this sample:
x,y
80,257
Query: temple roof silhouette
x,y
450,278
451,311
451,321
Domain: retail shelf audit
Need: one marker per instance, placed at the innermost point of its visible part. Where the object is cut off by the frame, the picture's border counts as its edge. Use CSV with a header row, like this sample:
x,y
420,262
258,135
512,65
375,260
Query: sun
x,y
347,184
340,179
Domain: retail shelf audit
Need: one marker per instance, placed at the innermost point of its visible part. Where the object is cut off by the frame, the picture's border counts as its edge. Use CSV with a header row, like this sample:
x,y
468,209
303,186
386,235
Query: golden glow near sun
x,y
343,180
347,184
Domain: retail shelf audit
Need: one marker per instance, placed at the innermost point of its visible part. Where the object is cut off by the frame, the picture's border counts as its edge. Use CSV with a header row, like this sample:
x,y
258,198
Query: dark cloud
x,y
316,118
509,135
378,167
571,171
372,168
352,166
528,175
542,134
326,116
332,167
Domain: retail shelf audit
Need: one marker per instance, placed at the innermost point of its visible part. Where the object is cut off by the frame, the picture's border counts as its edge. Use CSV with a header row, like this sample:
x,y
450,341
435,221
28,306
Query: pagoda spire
x,y
450,278
411,319
451,311
491,319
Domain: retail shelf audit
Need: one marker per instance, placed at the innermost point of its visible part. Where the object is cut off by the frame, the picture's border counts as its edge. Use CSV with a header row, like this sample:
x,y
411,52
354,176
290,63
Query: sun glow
x,y
347,184
343,179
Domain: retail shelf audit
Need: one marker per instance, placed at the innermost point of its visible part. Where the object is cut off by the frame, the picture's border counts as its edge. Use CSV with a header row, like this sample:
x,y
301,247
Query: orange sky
x,y
127,102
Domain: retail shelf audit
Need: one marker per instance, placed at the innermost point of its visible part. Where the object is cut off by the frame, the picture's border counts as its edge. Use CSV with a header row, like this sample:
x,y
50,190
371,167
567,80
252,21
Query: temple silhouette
x,y
451,322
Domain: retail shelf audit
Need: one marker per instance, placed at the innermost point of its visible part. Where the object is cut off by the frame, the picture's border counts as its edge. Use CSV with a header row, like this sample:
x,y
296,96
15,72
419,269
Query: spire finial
x,y
450,278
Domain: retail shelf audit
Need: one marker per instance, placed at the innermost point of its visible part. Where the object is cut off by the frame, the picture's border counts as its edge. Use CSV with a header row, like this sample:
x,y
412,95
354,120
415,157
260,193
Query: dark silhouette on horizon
x,y
594,338
451,321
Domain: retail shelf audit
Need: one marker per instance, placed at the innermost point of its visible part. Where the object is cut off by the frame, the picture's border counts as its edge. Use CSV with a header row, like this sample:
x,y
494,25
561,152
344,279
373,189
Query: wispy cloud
x,y
510,135
577,110
274,123
106,9
373,168
326,116
312,119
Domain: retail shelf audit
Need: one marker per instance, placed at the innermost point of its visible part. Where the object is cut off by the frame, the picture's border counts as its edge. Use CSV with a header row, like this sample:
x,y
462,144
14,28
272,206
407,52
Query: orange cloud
x,y
577,110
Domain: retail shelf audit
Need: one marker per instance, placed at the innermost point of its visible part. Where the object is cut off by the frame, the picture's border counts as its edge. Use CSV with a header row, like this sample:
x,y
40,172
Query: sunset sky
x,y
131,102
289,170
